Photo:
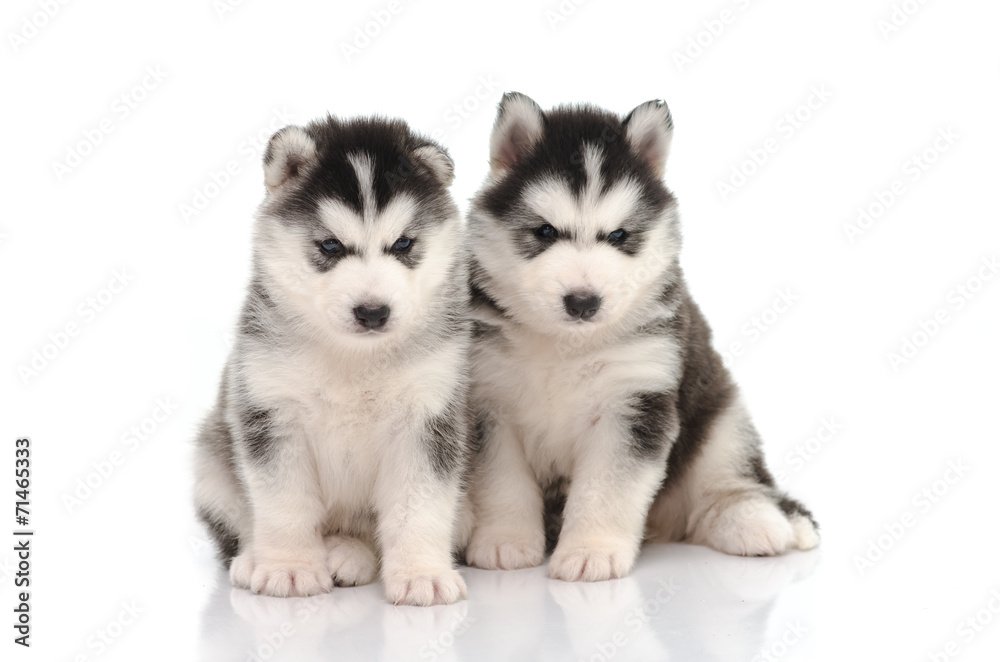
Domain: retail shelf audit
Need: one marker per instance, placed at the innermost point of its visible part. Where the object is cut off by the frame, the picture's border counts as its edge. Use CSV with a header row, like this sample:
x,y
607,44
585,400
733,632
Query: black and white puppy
x,y
596,390
340,435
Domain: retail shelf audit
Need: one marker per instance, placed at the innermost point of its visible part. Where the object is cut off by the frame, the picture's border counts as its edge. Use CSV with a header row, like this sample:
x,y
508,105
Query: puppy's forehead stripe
x,y
592,162
365,172
378,230
590,213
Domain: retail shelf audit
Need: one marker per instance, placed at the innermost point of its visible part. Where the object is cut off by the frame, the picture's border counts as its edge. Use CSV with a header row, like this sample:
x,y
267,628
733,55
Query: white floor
x,y
682,603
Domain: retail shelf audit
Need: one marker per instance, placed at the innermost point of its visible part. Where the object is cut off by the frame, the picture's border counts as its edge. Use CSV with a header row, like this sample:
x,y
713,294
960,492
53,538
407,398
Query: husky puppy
x,y
596,390
340,435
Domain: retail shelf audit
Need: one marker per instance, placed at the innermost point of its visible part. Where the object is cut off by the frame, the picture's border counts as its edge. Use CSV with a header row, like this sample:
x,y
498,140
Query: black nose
x,y
371,317
582,307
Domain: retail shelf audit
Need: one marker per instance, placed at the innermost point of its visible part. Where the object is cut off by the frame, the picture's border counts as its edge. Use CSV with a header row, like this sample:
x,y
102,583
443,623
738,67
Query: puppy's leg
x,y
728,500
417,496
507,503
219,497
620,465
285,555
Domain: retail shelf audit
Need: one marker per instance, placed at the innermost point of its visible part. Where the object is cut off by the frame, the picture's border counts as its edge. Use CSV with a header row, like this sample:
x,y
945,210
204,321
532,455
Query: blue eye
x,y
402,244
331,246
617,236
546,232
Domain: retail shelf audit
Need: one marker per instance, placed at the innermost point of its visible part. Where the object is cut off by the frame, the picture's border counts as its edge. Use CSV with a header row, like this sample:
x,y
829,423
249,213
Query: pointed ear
x,y
436,160
289,153
518,127
649,129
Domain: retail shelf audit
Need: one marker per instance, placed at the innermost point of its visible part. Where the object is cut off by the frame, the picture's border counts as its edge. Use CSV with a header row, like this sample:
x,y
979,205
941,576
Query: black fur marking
x,y
444,441
758,470
652,424
215,432
706,390
791,507
258,433
388,143
226,541
554,499
485,426
480,299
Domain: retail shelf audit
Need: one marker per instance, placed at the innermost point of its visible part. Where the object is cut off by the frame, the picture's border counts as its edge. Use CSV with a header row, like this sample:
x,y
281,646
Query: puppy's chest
x,y
555,399
345,415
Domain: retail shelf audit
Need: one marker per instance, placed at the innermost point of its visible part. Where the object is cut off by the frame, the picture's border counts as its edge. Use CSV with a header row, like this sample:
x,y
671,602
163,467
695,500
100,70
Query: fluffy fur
x,y
603,414
339,439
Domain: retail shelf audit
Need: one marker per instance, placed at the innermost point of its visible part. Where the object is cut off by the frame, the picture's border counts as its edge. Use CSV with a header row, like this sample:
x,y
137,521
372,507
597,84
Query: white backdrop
x,y
835,165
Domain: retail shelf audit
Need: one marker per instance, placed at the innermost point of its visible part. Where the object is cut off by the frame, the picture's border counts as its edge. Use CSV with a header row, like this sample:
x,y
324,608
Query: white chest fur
x,y
349,415
555,399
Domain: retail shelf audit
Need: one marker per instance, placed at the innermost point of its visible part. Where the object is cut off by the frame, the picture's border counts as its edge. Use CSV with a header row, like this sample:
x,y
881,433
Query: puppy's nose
x,y
582,306
371,317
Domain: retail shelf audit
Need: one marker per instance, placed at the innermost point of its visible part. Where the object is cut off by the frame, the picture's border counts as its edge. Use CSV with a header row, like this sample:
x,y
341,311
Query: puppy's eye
x,y
402,244
618,236
331,246
546,232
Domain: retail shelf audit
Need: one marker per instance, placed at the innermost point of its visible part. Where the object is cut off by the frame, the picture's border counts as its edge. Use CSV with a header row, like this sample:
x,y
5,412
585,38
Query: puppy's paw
x,y
281,578
592,563
497,550
349,561
753,526
425,588
806,535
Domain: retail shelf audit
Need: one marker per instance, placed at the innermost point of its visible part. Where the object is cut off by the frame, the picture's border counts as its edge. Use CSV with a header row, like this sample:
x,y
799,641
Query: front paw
x,y
280,577
422,589
592,563
498,550
349,561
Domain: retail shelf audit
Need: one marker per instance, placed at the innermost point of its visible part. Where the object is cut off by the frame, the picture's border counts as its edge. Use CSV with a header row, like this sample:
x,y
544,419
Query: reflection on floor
x,y
682,603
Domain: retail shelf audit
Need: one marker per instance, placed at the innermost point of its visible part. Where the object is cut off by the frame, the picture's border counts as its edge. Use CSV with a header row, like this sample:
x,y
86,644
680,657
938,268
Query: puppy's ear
x,y
436,160
649,128
289,153
518,127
